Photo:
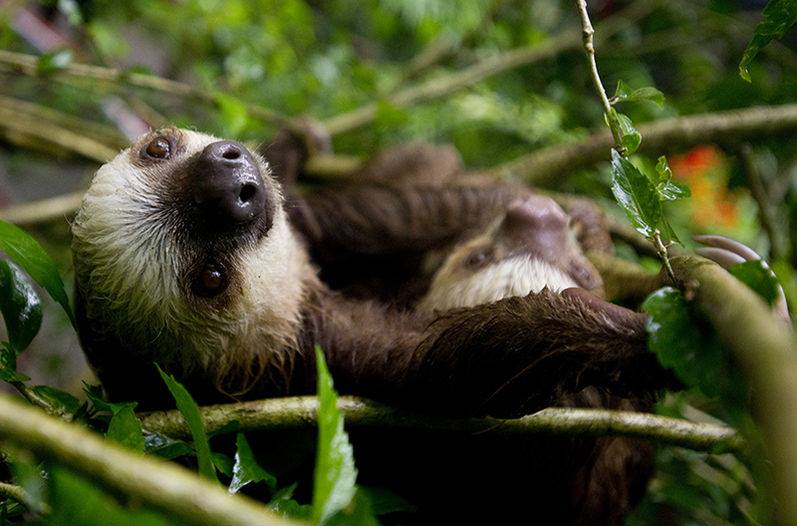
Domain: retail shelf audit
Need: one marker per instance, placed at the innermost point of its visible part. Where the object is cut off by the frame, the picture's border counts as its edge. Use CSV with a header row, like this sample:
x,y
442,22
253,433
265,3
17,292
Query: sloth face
x,y
182,241
529,248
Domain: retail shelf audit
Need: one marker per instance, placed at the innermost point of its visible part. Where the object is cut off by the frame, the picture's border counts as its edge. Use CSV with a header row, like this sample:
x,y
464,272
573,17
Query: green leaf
x,y
59,401
629,137
283,503
20,305
758,276
79,502
668,189
28,254
384,501
234,114
358,513
246,468
8,365
125,427
636,195
53,61
223,463
624,93
335,474
779,16
686,343
193,418
165,447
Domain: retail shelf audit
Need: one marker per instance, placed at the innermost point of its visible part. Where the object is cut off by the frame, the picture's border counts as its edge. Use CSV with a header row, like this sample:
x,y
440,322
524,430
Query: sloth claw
x,y
728,252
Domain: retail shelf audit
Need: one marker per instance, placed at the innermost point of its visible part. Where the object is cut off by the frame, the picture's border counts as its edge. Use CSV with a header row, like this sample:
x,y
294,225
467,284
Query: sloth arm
x,y
376,219
504,359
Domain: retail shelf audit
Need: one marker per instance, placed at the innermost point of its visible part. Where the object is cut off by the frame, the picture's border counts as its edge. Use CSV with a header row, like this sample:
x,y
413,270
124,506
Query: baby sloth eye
x,y
158,148
210,282
478,259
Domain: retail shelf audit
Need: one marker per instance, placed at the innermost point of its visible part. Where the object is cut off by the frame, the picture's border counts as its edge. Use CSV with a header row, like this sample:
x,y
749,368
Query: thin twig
x,y
767,212
153,481
445,85
299,412
28,65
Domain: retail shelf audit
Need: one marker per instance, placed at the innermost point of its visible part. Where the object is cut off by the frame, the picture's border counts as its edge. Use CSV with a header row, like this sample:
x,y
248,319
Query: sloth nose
x,y
534,214
229,188
538,226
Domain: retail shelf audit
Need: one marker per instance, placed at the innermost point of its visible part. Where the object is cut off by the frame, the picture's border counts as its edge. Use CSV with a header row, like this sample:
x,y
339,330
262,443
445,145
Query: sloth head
x,y
531,247
182,251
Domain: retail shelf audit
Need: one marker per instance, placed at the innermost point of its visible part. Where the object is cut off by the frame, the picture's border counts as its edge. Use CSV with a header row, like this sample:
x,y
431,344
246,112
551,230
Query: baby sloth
x,y
184,256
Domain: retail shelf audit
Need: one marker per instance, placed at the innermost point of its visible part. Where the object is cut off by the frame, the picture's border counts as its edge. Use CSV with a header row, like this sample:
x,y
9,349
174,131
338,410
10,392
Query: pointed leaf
x,y
20,305
335,474
28,254
193,418
125,427
636,195
629,136
779,16
625,93
246,468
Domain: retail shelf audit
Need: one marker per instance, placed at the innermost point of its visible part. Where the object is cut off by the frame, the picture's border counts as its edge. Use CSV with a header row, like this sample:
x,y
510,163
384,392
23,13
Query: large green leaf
x,y
779,16
246,469
335,474
758,276
125,427
190,411
20,305
636,195
28,254
686,343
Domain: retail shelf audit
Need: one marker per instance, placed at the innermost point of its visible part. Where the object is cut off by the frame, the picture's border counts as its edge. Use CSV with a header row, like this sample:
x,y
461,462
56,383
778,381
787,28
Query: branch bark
x,y
298,412
766,349
156,482
545,165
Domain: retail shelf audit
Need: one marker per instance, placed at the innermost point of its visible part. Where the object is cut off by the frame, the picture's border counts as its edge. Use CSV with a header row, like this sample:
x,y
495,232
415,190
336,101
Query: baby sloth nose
x,y
533,214
228,187
538,226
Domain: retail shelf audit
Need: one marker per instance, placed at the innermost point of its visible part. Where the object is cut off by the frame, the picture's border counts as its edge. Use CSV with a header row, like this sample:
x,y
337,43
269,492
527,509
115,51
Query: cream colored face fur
x,y
455,285
129,264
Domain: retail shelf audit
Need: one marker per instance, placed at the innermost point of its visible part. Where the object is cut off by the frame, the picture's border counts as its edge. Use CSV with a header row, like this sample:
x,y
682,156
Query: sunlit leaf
x,y
335,474
779,16
636,195
190,411
28,254
625,93
20,305
246,469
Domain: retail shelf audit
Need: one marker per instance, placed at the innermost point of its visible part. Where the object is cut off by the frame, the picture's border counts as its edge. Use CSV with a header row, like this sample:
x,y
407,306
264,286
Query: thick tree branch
x,y
152,481
297,412
545,165
766,349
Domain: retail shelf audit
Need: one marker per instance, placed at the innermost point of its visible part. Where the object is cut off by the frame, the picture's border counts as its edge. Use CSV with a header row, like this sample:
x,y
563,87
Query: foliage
x,y
324,59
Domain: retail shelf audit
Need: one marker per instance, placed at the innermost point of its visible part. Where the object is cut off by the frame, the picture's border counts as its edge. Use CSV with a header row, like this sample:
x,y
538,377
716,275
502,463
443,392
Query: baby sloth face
x,y
181,241
529,248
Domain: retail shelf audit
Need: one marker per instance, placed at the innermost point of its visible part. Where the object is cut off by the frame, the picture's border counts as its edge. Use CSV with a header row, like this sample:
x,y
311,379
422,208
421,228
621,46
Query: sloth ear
x,y
614,313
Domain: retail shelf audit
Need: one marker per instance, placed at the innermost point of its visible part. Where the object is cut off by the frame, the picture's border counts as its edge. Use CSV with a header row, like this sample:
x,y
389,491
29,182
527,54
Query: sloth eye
x,y
478,259
210,282
158,148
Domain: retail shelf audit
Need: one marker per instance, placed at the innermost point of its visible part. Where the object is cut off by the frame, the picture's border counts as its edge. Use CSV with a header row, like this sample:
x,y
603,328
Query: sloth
x,y
185,255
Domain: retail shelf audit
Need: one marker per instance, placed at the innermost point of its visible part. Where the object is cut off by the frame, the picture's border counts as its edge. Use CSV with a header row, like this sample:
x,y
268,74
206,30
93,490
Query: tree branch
x,y
298,412
153,481
766,349
445,85
28,65
545,165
